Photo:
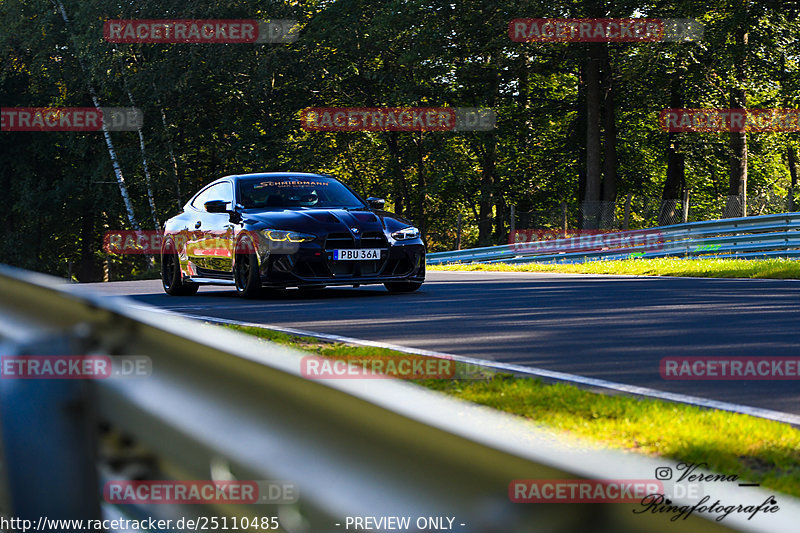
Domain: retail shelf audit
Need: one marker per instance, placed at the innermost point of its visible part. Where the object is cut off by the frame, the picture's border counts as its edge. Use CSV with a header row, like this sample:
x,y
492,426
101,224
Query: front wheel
x,y
245,271
402,286
171,278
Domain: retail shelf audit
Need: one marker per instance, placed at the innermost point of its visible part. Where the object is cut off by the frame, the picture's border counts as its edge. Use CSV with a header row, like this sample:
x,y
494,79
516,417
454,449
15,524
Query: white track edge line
x,y
768,414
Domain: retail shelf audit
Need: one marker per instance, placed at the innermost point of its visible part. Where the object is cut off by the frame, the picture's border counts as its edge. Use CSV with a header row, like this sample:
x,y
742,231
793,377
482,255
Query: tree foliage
x,y
216,109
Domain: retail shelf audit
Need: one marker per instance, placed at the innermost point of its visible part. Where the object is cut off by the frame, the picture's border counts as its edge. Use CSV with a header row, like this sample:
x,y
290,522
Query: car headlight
x,y
287,236
406,234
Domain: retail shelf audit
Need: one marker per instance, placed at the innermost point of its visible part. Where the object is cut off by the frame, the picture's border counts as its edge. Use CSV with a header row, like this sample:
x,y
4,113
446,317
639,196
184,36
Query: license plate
x,y
364,254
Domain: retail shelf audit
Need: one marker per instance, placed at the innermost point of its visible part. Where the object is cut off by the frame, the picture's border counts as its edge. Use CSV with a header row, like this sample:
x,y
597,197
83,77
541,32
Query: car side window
x,y
198,201
223,191
220,191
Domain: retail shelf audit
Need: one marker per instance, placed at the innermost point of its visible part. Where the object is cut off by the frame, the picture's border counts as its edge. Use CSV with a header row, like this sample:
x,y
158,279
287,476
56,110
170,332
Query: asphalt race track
x,y
616,328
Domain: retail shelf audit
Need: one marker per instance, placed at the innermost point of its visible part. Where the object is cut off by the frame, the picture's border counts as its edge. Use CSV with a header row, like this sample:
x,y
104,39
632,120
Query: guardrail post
x,y
564,218
513,221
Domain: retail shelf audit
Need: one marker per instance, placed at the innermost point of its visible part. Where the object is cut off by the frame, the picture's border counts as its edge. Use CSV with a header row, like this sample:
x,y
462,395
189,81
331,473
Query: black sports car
x,y
278,230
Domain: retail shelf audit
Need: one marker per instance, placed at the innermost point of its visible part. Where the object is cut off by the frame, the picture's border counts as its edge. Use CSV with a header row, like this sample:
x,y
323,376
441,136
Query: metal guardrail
x,y
219,399
764,236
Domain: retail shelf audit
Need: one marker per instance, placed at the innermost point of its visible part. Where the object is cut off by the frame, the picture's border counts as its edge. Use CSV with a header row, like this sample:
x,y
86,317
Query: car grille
x,y
345,241
373,240
338,241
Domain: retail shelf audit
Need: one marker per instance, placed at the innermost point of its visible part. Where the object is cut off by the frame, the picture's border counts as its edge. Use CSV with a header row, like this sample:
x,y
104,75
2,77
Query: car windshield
x,y
295,192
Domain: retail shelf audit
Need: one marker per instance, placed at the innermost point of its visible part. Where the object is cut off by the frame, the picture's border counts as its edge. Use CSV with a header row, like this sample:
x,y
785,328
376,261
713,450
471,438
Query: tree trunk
x,y
737,189
609,195
486,195
591,199
675,182
490,195
579,130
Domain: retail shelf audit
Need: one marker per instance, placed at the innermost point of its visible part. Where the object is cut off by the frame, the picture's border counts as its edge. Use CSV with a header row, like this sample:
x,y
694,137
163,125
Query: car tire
x,y
171,277
246,274
402,286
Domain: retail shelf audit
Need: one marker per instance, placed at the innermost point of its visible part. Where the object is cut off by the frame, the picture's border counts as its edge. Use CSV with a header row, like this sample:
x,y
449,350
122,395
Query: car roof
x,y
277,175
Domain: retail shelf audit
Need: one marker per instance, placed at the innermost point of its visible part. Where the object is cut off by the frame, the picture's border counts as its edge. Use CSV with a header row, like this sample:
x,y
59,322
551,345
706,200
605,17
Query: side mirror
x,y
376,203
216,206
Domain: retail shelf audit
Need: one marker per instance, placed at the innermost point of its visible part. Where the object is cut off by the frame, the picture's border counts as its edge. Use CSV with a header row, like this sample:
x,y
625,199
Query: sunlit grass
x,y
757,450
754,449
712,268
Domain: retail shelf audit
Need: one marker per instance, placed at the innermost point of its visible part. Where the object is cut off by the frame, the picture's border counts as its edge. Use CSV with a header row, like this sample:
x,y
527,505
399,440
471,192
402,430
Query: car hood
x,y
322,220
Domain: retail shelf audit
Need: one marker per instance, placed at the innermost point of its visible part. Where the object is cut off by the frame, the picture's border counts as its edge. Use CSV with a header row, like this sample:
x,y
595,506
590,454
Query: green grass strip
x,y
756,450
710,268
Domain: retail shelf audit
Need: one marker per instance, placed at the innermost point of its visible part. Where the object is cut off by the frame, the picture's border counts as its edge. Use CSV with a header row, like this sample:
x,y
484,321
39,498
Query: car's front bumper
x,y
314,265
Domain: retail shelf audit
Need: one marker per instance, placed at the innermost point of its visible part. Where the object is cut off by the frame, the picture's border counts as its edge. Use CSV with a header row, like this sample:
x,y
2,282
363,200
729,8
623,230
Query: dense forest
x,y
577,137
